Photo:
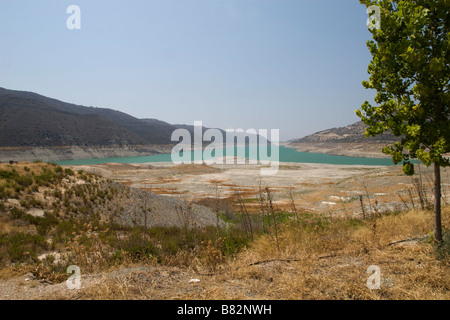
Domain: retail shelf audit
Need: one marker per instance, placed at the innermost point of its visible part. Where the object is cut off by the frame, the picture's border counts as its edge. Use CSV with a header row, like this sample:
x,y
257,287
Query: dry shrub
x,y
14,271
396,227
183,258
49,273
212,257
89,252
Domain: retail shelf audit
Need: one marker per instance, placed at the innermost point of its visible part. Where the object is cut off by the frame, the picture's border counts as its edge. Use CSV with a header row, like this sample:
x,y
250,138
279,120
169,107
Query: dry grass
x,y
332,263
328,262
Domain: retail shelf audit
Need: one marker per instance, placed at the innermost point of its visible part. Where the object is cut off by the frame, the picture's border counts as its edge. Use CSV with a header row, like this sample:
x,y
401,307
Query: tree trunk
x,y
437,203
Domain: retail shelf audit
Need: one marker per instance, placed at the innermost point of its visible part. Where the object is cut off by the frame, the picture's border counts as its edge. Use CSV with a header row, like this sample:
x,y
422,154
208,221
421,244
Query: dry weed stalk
x,y
363,208
269,197
263,208
244,212
188,225
212,257
88,251
371,210
403,200
293,206
217,194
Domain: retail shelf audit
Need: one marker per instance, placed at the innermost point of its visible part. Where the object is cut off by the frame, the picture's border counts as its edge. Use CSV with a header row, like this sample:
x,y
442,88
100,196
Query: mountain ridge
x,y
353,133
28,119
51,122
345,141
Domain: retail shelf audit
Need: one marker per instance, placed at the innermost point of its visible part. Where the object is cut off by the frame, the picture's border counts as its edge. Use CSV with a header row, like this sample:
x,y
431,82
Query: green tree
x,y
410,71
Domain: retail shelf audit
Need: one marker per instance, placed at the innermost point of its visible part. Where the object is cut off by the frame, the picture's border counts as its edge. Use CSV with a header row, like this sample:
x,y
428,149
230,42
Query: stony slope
x,y
48,190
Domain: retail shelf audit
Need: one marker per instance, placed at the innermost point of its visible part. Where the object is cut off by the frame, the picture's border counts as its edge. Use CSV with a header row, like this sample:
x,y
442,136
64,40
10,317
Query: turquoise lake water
x,y
285,155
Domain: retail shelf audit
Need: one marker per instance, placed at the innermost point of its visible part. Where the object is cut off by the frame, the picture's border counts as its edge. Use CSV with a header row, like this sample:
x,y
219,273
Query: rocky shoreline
x,y
48,154
61,153
363,150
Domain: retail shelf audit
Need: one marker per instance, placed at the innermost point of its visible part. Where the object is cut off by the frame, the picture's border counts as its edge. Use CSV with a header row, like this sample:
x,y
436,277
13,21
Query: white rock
x,y
56,255
36,212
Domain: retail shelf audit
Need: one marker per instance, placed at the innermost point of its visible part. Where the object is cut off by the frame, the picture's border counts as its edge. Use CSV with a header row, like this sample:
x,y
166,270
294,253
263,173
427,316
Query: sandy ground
x,y
325,188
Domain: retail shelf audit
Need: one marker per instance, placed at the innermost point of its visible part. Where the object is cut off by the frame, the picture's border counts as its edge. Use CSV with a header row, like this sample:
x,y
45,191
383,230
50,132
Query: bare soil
x,y
334,189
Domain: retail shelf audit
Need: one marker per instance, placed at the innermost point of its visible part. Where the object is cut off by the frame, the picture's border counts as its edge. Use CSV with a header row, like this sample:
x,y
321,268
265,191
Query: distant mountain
x,y
191,128
353,133
30,119
345,141
163,125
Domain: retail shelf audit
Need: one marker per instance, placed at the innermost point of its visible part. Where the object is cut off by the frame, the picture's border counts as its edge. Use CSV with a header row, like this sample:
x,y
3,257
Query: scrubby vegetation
x,y
77,224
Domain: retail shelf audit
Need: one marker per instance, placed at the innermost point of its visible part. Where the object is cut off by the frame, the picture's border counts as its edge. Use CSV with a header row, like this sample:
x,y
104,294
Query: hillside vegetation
x,y
48,211
32,120
28,119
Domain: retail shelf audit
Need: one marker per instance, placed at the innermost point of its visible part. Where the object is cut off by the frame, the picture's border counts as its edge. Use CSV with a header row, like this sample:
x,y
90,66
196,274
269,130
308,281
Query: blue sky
x,y
293,65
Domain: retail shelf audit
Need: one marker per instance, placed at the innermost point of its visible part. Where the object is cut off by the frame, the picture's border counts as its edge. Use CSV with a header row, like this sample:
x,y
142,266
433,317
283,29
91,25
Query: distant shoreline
x,y
68,153
362,150
62,153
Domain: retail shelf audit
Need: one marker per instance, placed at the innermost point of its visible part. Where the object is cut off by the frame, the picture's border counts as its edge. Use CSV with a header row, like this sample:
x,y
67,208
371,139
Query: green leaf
x,y
408,168
413,130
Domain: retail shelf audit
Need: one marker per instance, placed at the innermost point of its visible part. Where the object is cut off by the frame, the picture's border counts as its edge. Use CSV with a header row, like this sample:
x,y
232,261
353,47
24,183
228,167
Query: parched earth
x,y
339,190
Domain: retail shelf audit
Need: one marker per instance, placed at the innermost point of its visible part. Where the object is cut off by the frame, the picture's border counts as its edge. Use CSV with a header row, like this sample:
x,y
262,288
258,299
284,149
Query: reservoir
x,y
285,155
